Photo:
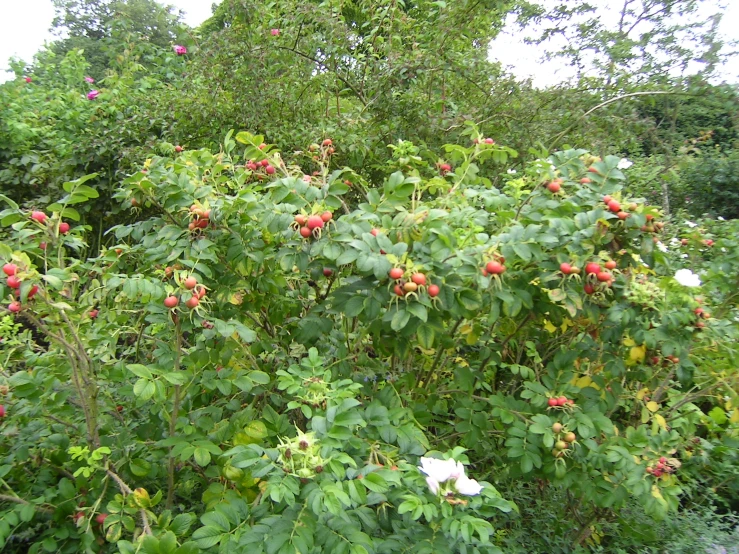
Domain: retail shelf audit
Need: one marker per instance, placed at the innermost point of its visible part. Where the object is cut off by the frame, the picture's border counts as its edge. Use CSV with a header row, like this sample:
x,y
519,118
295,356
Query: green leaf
x,y
144,389
26,512
181,524
400,320
425,335
207,537
470,299
175,378
418,310
216,519
167,543
8,201
259,377
139,467
139,371
354,306
201,456
70,213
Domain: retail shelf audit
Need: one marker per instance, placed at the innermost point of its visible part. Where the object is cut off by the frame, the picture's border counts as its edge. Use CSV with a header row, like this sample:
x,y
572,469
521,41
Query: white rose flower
x,y
439,470
691,224
661,246
687,278
467,486
433,485
624,164
511,172
721,218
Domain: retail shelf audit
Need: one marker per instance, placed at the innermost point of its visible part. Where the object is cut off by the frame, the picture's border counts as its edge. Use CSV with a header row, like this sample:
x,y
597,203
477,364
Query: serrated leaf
x,y
418,310
144,389
354,306
425,335
400,320
139,371
202,456
207,537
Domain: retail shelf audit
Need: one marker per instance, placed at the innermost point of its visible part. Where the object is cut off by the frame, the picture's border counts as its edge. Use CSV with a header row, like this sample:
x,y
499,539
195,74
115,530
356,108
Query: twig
x,y
125,489
173,417
603,104
17,500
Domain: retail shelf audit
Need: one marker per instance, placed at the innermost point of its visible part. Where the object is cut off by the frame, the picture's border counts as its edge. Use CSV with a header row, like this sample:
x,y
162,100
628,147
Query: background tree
x,y
91,25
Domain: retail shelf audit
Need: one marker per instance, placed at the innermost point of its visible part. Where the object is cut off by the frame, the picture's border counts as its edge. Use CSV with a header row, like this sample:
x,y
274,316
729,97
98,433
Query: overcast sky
x,y
24,26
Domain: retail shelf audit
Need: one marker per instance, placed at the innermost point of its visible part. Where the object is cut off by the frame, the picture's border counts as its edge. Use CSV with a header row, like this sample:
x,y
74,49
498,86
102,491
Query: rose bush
x,y
277,344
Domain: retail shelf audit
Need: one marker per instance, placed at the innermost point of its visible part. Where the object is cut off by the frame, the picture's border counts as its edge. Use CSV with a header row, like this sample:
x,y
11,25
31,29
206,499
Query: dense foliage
x,y
367,324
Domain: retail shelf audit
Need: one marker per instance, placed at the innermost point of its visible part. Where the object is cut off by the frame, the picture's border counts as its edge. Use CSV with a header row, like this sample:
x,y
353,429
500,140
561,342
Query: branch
x,y
358,94
173,417
17,500
603,104
125,489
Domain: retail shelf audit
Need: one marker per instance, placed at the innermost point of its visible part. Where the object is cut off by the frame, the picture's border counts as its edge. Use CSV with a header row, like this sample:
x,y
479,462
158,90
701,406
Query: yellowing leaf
x,y
661,421
637,354
236,299
583,382
641,394
652,406
465,329
549,327
629,342
656,493
734,417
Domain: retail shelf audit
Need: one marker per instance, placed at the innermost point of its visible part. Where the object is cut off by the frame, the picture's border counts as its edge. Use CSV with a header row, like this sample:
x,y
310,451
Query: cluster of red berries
x,y
659,468
416,282
197,294
326,147
311,225
560,402
200,217
262,165
596,275
701,314
444,168
14,282
656,360
41,218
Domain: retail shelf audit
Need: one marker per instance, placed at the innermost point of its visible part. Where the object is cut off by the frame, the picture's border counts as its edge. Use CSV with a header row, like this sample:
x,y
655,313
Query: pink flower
x,y
179,49
27,79
93,94
275,32
89,80
306,178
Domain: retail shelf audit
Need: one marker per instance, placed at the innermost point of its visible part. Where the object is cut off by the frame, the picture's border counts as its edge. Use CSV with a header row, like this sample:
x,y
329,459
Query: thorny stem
x,y
427,378
125,489
85,389
173,417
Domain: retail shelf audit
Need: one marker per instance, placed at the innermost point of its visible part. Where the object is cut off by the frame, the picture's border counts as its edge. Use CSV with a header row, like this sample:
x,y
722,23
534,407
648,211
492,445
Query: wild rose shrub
x,y
260,362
